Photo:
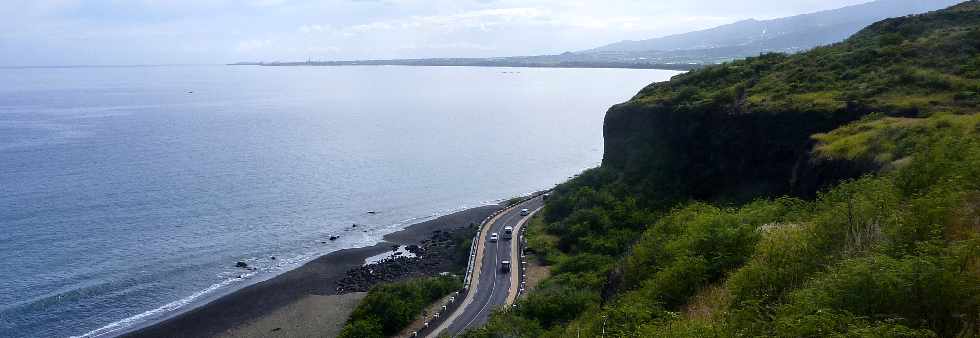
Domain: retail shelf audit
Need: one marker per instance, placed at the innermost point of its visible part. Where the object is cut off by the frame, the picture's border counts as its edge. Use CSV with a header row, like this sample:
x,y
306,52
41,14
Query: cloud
x,y
252,45
485,20
266,3
315,28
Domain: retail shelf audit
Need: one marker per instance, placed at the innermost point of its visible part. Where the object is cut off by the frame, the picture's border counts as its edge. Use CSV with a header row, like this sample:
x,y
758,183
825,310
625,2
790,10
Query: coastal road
x,y
491,288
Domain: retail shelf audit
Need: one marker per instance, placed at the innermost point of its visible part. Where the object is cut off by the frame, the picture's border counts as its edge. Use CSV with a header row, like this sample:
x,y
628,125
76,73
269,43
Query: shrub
x,y
926,291
684,329
506,323
783,259
363,328
391,307
554,305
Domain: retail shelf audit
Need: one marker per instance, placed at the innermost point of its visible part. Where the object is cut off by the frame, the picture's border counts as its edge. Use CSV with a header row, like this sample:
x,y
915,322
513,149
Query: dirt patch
x,y
708,303
536,273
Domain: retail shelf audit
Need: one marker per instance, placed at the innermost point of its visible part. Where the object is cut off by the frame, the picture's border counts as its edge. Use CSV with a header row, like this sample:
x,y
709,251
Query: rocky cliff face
x,y
715,152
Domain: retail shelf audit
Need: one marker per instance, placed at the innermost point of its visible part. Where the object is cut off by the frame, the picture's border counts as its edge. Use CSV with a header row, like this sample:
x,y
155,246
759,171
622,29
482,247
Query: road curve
x,y
490,287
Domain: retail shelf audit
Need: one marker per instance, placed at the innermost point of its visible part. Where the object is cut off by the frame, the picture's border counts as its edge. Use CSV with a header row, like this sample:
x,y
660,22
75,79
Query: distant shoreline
x,y
481,63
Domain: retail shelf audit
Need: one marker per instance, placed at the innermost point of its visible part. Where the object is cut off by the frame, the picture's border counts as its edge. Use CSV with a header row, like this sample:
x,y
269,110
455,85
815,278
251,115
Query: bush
x,y
920,291
681,279
391,307
506,323
684,329
556,305
363,328
832,323
783,260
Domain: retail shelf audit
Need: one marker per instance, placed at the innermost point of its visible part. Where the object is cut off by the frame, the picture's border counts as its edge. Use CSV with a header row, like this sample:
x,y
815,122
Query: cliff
x,y
744,127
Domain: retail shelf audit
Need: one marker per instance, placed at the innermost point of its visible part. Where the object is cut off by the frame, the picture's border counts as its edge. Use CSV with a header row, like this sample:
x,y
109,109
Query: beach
x,y
285,305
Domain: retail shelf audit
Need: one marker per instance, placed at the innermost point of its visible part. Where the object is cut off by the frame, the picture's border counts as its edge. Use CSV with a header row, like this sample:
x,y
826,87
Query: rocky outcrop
x,y
704,154
432,256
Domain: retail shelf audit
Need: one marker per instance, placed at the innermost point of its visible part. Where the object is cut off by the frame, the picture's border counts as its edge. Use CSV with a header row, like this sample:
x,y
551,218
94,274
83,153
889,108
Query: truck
x,y
504,266
508,232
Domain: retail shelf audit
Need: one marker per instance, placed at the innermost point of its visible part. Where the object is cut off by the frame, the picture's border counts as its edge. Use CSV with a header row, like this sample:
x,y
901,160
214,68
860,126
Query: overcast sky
x,y
71,32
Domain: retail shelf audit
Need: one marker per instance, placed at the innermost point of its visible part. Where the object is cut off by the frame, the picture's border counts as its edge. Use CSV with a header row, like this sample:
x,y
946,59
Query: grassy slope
x,y
891,253
744,127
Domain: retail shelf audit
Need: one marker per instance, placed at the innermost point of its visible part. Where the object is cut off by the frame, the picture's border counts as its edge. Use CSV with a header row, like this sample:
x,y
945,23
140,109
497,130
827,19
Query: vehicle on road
x,y
525,212
505,266
493,237
508,232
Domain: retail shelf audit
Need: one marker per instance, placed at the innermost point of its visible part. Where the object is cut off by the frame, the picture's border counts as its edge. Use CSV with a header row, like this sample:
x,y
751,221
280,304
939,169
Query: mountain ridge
x,y
788,34
690,50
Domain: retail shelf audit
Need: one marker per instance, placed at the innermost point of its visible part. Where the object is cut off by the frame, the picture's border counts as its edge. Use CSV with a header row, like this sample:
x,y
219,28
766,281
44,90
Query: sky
x,y
130,32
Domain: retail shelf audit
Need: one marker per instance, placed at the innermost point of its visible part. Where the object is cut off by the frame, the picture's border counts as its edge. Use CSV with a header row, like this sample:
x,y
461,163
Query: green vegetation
x,y
741,130
832,193
896,253
389,308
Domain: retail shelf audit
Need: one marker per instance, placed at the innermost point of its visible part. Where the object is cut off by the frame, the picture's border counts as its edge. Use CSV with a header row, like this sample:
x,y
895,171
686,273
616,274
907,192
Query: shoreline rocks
x,y
432,257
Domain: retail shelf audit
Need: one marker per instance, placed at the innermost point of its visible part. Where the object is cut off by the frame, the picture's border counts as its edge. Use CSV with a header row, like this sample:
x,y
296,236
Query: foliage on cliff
x,y
682,233
741,129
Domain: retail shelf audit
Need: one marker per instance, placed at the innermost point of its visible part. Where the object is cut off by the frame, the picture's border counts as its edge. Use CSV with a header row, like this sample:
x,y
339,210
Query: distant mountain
x,y
791,34
695,49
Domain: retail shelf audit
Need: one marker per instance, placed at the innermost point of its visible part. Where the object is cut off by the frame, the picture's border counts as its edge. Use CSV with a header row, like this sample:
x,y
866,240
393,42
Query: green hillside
x,y
830,193
744,127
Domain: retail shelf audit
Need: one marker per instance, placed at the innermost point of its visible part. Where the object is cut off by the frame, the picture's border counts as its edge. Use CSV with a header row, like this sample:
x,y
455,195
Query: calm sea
x,y
129,193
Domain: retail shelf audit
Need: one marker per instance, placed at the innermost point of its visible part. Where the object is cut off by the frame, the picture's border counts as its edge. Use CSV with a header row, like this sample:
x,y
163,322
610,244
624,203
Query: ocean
x,y
129,193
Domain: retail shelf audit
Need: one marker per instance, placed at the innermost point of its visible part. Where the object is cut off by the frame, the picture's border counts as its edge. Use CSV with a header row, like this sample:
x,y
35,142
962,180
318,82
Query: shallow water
x,y
128,193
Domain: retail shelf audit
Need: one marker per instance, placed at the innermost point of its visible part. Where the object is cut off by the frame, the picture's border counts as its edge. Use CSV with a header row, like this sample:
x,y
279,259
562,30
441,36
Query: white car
x,y
525,212
493,237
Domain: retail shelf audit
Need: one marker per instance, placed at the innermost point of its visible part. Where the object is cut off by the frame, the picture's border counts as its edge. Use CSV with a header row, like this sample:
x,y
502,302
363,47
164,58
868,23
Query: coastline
x,y
318,277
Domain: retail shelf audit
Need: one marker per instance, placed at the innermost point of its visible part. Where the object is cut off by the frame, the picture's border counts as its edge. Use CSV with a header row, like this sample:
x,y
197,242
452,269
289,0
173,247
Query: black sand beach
x,y
318,277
